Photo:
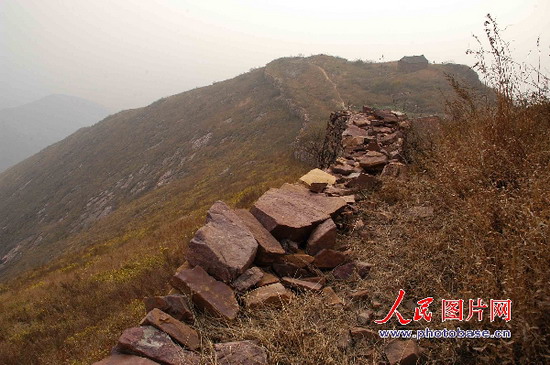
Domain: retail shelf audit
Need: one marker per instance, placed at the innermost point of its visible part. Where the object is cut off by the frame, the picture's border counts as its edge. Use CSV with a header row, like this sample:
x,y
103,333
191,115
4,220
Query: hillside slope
x,y
26,129
136,163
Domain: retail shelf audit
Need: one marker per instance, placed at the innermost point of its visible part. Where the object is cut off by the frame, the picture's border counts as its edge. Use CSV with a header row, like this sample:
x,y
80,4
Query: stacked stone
x,y
285,244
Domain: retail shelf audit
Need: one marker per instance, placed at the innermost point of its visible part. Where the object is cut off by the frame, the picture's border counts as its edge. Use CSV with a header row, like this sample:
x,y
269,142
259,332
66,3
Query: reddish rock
x,y
240,353
331,298
350,199
224,247
288,269
363,268
363,182
390,138
360,121
301,284
122,359
329,259
300,260
338,190
367,109
402,352
382,130
351,143
316,279
354,131
174,304
373,160
269,295
207,293
179,331
267,279
269,249
345,271
386,115
323,237
395,169
343,169
156,345
373,146
248,279
293,214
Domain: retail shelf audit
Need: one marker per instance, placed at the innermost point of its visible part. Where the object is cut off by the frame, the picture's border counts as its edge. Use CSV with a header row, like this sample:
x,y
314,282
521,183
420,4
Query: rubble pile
x,y
284,245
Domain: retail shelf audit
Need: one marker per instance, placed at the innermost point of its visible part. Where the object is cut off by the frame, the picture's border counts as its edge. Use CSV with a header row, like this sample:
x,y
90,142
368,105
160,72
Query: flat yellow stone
x,y
316,180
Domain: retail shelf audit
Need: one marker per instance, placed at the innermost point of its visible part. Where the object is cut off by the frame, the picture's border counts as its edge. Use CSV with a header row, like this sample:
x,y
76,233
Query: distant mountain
x,y
154,164
27,129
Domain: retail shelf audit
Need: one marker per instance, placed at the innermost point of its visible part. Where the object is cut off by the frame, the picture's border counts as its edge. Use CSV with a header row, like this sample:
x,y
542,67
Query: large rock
x,y
301,284
300,260
269,249
402,352
248,279
156,345
329,259
363,182
179,331
288,269
330,297
224,247
174,304
354,131
294,214
267,279
123,359
316,180
240,353
373,160
207,293
269,295
323,237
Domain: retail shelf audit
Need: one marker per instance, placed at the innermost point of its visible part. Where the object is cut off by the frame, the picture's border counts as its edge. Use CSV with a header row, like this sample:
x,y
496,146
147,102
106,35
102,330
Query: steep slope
x,y
135,164
26,129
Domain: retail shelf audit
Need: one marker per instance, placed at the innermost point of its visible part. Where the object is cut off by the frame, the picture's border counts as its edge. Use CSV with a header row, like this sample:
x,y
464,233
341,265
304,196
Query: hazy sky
x,y
129,53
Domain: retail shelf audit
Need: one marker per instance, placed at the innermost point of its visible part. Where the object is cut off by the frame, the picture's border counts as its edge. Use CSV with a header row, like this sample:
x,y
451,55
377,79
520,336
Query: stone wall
x,y
266,256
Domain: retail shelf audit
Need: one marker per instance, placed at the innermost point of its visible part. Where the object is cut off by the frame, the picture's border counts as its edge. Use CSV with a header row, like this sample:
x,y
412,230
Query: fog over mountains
x,y
27,129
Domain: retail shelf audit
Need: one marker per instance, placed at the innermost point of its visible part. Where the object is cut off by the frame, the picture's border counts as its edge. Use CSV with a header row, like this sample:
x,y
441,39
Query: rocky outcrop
x,y
208,248
207,293
156,345
269,295
182,333
323,237
292,214
269,249
174,304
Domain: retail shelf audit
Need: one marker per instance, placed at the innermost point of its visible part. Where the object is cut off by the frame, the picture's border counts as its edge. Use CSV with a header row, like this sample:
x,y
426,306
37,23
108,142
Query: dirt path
x,y
340,100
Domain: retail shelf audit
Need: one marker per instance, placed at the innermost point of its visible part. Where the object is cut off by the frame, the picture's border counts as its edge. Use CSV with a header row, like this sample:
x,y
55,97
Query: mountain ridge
x,y
202,136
